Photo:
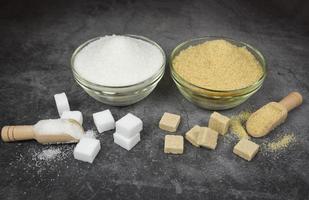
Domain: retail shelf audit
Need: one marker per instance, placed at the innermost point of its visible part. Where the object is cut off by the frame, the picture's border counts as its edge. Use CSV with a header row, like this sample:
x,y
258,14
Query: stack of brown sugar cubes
x,y
203,136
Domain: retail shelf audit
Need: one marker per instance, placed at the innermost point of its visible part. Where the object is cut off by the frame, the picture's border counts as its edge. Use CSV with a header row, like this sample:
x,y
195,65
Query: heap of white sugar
x,y
59,126
118,61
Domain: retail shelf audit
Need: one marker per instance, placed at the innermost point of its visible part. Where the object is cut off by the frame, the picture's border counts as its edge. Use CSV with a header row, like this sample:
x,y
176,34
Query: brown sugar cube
x,y
173,144
169,122
219,123
246,149
207,138
192,135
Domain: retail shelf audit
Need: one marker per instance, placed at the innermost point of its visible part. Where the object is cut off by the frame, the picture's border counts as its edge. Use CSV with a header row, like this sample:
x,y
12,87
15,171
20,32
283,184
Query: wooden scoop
x,y
272,115
61,131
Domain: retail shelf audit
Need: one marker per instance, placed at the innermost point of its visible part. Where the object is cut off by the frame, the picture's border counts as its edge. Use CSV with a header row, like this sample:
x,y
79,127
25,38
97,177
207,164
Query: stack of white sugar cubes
x,y
127,133
128,130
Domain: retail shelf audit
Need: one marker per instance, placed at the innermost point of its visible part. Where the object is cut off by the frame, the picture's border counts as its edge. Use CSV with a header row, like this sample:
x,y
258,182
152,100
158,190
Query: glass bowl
x,y
215,99
123,95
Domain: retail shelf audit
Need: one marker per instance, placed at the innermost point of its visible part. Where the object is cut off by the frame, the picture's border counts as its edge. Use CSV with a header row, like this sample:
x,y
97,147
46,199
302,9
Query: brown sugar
x,y
238,129
281,143
219,123
218,65
237,122
207,138
246,149
173,144
169,122
266,118
192,135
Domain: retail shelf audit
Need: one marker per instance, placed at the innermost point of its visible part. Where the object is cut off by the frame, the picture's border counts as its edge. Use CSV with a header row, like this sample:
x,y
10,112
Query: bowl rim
x,y
210,38
143,38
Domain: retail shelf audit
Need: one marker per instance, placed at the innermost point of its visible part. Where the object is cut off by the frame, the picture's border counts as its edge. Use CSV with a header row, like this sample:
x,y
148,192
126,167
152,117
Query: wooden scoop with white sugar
x,y
45,132
272,115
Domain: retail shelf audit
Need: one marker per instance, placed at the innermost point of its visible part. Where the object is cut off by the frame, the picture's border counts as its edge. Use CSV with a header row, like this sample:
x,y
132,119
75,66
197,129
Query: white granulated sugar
x,y
118,61
40,160
49,154
90,134
59,126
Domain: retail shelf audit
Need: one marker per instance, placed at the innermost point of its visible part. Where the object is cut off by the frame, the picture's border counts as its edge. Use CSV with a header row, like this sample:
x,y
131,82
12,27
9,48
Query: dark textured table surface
x,y
37,40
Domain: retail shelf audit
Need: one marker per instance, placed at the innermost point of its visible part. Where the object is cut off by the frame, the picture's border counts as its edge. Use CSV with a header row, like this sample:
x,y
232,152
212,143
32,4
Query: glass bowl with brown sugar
x,y
217,73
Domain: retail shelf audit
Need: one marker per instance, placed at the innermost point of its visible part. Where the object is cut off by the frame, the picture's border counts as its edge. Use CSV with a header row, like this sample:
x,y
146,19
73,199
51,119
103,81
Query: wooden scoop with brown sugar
x,y
272,115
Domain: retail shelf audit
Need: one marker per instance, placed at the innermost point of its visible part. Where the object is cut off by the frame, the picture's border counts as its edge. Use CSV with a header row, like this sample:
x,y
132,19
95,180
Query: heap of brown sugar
x,y
218,65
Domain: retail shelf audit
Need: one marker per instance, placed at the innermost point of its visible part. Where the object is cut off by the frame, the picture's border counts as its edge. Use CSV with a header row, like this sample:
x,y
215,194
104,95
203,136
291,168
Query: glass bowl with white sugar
x,y
118,70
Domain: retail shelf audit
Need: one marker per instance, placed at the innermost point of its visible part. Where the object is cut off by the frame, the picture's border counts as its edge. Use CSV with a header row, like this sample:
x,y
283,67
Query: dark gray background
x,y
37,39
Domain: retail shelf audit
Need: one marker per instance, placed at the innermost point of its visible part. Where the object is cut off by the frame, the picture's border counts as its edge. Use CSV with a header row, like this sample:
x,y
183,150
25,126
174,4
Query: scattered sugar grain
x,y
237,124
48,154
90,134
40,160
230,138
238,129
243,116
281,143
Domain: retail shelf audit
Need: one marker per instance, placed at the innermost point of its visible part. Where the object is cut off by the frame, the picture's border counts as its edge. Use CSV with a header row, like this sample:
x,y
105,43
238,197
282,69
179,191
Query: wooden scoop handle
x,y
15,133
291,101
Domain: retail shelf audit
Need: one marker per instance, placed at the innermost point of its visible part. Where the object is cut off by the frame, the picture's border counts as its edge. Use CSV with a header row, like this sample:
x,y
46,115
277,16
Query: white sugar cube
x,y
87,149
127,143
62,103
76,115
129,125
104,120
